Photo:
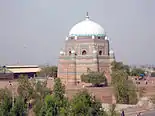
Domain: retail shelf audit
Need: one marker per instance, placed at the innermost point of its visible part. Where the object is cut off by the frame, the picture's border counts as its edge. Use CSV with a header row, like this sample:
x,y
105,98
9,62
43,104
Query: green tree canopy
x,y
96,78
137,71
25,88
19,108
124,88
85,105
5,102
56,104
153,74
7,108
120,66
48,71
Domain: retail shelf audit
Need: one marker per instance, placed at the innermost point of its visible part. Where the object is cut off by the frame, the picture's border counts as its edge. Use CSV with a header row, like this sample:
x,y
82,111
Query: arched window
x,y
84,52
100,52
69,52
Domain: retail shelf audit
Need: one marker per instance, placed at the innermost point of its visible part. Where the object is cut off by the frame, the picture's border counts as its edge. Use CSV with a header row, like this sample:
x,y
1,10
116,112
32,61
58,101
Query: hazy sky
x,y
34,31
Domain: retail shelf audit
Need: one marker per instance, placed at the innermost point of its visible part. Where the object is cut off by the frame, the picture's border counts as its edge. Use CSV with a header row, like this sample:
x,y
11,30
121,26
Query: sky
x,y
34,31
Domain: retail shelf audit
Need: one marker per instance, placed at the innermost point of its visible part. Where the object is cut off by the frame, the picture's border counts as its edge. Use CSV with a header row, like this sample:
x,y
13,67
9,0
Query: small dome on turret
x,y
94,51
61,52
73,51
106,38
66,38
111,52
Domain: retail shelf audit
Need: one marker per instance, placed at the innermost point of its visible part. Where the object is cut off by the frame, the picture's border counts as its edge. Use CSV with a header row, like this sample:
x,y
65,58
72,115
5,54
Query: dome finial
x,y
87,16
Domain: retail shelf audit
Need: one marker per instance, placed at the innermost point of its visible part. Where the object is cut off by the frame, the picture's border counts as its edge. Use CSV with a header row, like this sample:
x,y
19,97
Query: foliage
x,y
112,111
25,88
48,71
137,71
95,78
19,108
6,102
55,104
38,106
153,74
6,106
32,90
49,107
119,76
124,89
132,93
84,105
45,104
5,92
142,91
153,99
59,89
120,66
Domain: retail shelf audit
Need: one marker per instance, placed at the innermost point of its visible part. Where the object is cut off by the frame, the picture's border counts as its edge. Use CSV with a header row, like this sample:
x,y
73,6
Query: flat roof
x,y
24,70
22,66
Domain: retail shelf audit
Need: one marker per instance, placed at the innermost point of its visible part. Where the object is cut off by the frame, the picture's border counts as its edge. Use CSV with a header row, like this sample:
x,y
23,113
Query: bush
x,y
96,78
153,74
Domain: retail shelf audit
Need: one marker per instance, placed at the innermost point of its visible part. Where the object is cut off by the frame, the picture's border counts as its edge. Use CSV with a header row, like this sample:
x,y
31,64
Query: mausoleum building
x,y
86,49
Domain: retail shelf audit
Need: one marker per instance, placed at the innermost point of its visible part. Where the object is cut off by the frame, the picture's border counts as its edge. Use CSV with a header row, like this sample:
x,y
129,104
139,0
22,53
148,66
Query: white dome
x,y
87,28
73,51
94,51
61,53
106,38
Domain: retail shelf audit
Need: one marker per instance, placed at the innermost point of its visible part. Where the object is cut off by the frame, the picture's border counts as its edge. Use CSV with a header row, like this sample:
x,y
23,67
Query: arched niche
x,y
84,52
100,52
69,52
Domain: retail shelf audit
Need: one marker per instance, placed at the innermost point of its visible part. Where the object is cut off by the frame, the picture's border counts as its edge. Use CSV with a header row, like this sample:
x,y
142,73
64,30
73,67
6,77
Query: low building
x,y
13,72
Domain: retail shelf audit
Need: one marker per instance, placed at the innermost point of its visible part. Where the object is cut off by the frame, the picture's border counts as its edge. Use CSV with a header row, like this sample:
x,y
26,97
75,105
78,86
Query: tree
x,y
58,94
59,89
33,92
153,74
117,66
119,76
85,105
120,66
56,104
6,105
112,111
137,71
6,102
48,71
96,78
19,108
25,88
133,98
124,88
49,108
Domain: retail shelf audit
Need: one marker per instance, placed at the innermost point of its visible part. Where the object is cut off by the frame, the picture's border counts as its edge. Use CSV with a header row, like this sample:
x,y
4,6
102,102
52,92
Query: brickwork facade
x,y
86,48
78,57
